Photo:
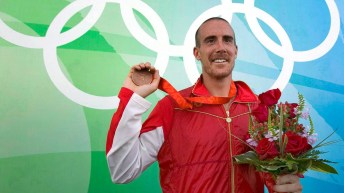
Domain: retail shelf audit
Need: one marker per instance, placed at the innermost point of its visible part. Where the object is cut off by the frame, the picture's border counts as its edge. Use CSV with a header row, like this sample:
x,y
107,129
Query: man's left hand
x,y
288,183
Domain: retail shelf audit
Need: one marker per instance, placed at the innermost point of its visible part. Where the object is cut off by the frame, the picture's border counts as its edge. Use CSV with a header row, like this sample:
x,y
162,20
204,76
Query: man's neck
x,y
218,87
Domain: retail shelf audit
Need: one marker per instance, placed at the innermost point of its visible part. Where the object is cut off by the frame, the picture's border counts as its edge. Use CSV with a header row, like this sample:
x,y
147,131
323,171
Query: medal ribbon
x,y
187,102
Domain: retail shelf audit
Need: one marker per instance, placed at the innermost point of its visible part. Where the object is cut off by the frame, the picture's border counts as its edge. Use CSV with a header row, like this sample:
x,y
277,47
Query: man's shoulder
x,y
244,92
243,85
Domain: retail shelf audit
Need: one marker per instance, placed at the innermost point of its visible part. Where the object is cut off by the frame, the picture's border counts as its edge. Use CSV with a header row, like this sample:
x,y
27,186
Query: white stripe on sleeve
x,y
131,153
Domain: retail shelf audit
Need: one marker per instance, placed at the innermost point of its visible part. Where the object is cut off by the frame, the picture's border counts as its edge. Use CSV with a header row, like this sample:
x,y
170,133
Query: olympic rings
x,y
54,38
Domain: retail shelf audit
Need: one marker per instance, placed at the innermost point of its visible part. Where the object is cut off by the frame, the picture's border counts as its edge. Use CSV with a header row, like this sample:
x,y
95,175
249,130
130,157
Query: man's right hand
x,y
146,89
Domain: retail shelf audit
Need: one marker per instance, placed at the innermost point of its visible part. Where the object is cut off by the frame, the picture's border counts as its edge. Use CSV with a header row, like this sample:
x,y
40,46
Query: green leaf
x,y
323,167
322,143
272,167
249,157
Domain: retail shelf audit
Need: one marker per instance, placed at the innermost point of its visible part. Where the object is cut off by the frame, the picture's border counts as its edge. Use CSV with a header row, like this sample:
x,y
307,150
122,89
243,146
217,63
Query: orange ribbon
x,y
187,102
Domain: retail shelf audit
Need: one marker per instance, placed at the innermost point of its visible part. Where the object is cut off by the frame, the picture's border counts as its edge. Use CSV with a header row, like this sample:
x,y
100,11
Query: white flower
x,y
271,136
312,138
305,113
252,142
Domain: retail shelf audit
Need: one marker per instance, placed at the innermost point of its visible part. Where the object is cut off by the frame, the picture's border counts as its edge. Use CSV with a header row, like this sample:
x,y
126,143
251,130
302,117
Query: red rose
x,y
266,149
261,113
270,97
296,144
291,107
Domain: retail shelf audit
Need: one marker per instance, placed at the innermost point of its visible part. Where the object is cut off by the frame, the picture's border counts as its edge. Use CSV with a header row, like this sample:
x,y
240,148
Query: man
x,y
193,146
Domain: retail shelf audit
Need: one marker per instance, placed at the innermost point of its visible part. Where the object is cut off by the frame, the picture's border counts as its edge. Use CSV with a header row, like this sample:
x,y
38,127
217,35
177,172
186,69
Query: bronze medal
x,y
142,77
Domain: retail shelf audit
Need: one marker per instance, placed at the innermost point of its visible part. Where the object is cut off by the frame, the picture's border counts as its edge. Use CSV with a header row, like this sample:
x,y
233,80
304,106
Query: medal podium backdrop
x,y
63,62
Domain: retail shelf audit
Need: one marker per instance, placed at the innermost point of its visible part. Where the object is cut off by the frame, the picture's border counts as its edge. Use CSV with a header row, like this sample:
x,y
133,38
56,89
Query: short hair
x,y
197,41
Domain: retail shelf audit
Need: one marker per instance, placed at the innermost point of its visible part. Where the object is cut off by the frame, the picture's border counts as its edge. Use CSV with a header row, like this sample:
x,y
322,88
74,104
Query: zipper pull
x,y
228,119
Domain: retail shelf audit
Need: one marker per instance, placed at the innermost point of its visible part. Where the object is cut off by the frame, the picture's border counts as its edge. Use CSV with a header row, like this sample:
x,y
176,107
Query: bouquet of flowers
x,y
280,143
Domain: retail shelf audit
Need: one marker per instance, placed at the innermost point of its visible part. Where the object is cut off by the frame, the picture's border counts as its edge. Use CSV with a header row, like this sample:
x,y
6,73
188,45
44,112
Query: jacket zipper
x,y
229,120
232,170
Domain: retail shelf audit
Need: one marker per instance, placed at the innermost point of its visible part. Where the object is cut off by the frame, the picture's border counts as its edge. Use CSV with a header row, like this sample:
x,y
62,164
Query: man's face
x,y
217,49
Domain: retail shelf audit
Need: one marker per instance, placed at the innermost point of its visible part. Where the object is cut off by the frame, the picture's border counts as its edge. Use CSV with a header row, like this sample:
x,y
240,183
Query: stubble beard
x,y
219,75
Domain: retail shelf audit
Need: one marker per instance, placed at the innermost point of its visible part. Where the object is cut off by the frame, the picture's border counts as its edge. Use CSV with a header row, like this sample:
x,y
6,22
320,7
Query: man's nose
x,y
220,46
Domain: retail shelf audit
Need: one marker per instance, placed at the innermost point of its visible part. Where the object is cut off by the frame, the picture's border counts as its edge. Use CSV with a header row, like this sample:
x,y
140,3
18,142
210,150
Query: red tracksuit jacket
x,y
194,148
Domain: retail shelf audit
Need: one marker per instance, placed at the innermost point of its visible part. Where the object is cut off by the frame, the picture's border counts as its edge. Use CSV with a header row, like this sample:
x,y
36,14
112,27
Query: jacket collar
x,y
244,92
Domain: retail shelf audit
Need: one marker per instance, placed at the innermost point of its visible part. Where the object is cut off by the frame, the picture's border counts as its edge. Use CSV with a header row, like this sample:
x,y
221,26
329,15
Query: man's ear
x,y
236,51
196,53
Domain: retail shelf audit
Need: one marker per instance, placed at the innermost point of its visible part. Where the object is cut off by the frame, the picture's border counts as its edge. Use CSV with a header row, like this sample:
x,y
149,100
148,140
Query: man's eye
x,y
228,40
210,41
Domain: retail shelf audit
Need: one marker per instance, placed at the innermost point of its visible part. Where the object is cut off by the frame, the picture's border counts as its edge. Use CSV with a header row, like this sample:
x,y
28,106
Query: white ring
x,y
308,55
160,45
50,55
251,12
20,39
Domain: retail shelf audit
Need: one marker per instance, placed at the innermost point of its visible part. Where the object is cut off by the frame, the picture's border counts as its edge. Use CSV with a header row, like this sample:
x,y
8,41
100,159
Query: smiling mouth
x,y
219,60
